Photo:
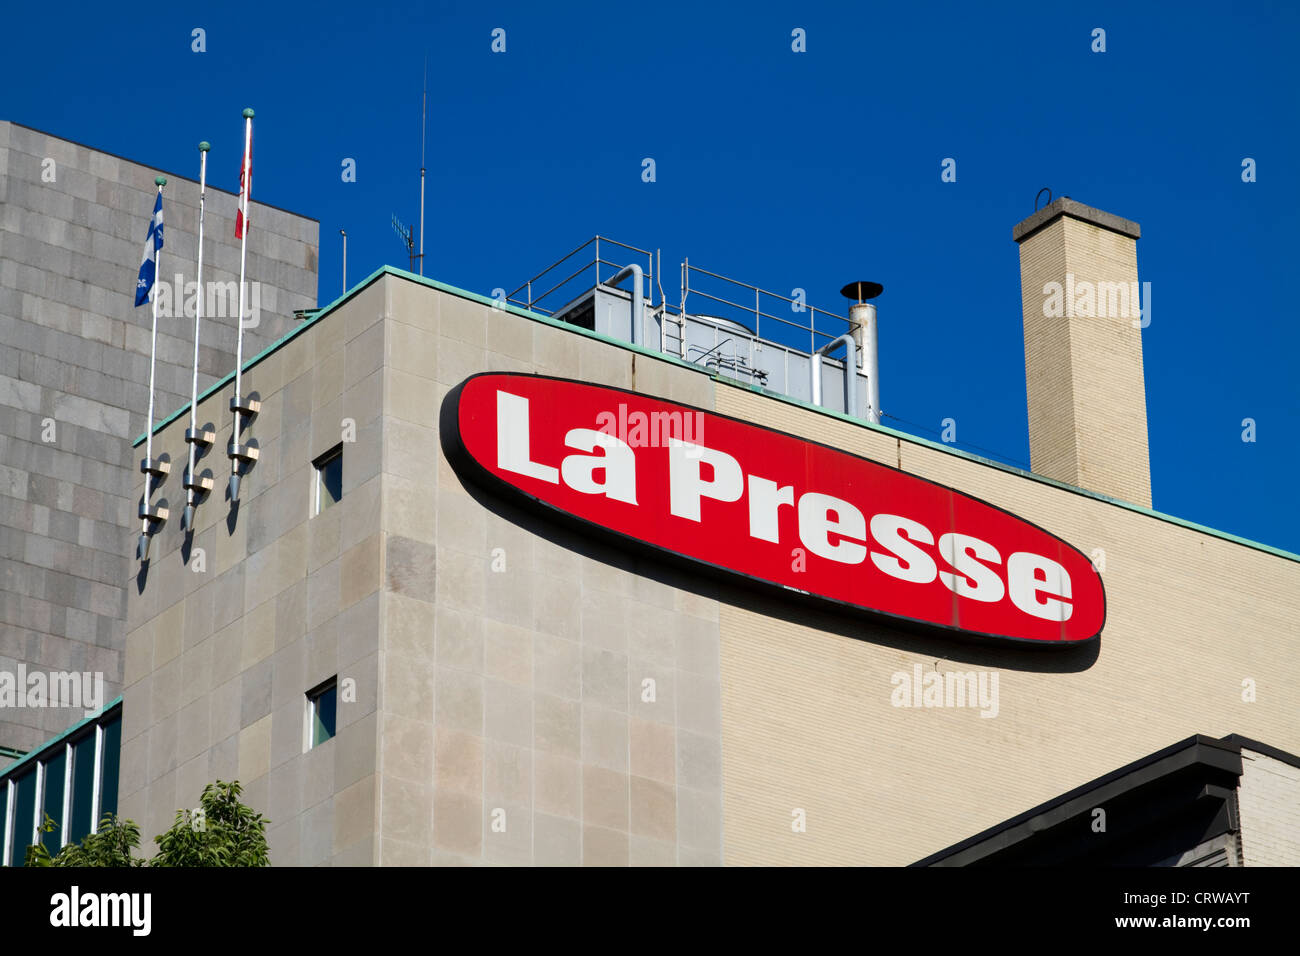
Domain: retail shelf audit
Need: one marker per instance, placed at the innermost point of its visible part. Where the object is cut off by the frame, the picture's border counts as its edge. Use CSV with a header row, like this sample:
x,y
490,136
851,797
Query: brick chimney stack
x,y
1083,349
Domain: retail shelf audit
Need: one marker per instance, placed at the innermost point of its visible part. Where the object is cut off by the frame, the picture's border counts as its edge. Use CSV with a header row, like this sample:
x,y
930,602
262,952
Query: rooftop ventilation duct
x,y
638,296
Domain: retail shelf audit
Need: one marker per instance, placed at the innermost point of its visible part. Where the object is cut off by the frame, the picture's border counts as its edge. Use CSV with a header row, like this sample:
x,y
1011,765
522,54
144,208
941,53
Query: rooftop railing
x,y
536,290
788,331
807,328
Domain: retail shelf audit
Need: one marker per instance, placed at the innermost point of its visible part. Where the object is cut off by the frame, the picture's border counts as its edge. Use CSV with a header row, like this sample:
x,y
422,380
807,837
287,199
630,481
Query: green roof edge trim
x,y
673,360
36,752
284,340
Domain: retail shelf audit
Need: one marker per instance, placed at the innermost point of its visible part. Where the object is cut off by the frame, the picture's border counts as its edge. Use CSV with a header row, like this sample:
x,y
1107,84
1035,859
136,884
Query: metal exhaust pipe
x,y
864,329
850,373
638,296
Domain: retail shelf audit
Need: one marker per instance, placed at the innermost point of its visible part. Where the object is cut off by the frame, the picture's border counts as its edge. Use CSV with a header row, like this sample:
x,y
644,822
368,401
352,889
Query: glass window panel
x,y
330,477
4,814
324,714
24,817
83,788
55,768
112,759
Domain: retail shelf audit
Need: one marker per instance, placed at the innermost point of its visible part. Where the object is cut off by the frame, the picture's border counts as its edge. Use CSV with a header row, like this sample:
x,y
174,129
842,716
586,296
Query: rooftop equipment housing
x,y
771,342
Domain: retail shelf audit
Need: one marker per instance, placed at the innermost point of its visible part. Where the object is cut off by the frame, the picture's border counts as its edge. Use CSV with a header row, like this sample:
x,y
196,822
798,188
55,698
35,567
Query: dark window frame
x,y
326,690
322,497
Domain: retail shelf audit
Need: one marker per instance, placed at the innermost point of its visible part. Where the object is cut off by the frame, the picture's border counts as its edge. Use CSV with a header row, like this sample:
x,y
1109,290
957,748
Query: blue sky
x,y
781,169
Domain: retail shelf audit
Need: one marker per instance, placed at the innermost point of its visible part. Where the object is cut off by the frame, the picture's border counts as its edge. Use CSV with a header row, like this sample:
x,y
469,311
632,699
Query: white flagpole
x,y
424,111
188,516
153,352
244,199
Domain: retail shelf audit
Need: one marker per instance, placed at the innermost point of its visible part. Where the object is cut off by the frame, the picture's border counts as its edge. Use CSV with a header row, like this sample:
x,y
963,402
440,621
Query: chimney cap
x,y
861,291
1065,206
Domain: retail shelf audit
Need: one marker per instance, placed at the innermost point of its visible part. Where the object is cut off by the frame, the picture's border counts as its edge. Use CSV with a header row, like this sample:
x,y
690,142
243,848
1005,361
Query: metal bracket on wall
x,y
202,483
243,453
204,437
159,467
247,406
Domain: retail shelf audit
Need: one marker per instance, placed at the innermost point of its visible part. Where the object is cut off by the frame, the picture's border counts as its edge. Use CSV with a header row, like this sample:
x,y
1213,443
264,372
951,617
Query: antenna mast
x,y
407,234
424,112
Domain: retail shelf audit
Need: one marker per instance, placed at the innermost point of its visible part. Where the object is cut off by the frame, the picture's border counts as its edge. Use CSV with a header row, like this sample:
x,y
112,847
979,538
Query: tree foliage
x,y
110,845
221,832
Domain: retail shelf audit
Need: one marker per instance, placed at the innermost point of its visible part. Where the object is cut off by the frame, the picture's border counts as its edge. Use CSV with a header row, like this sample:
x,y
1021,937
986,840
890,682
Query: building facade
x,y
404,667
74,385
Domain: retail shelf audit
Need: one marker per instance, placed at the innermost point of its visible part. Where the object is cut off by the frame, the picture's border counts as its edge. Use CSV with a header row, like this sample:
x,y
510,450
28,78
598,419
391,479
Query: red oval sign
x,y
771,508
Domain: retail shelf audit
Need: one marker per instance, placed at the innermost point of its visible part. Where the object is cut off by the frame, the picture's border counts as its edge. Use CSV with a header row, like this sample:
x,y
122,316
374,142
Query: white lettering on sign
x,y
513,443
765,500
617,461
829,527
514,454
973,579
902,559
820,516
687,484
1028,576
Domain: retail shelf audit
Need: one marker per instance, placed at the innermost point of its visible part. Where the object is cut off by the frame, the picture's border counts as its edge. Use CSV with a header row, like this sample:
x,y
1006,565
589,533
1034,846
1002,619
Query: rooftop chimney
x,y
1083,349
862,324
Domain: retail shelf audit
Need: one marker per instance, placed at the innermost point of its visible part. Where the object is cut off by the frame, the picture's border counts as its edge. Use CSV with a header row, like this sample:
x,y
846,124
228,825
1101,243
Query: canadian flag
x,y
245,187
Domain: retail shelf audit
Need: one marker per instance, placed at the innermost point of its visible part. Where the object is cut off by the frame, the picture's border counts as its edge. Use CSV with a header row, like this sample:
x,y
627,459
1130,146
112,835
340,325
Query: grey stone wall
x,y
74,372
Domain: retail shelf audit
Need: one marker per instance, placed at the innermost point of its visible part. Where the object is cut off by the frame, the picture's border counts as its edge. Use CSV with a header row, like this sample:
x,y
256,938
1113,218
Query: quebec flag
x,y
149,261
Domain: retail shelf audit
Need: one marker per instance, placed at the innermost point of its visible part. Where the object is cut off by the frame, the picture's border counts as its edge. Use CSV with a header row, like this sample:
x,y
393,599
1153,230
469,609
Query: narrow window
x,y
110,762
4,822
82,809
22,829
322,705
55,773
329,479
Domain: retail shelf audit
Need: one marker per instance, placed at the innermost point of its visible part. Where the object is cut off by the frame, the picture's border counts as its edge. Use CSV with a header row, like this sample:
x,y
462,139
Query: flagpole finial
x,y
160,180
248,112
204,146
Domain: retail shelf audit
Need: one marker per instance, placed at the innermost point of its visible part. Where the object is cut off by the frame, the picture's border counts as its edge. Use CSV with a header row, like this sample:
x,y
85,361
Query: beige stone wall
x,y
807,717
224,641
514,724
1085,386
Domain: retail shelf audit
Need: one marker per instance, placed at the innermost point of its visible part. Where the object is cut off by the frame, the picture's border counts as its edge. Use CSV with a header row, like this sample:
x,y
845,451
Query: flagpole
x,y
424,111
161,181
188,517
245,196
